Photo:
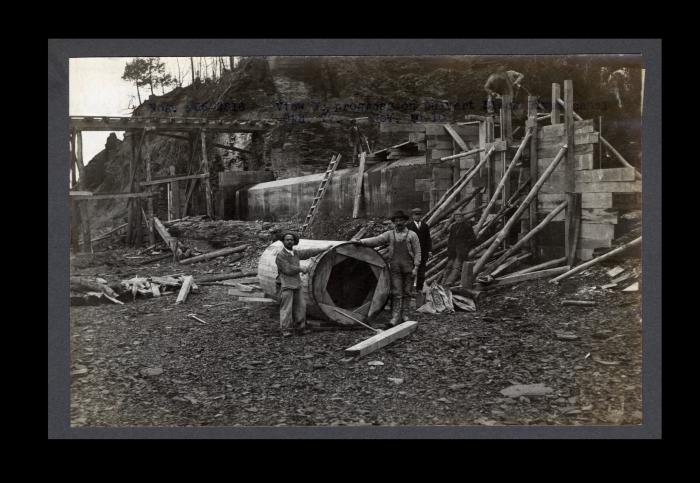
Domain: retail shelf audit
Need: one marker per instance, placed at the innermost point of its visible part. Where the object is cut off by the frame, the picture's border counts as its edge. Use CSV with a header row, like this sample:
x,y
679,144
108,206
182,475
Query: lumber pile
x,y
91,291
149,287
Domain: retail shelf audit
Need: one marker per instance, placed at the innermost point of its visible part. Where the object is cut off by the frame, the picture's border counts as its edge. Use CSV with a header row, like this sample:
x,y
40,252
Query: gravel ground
x,y
146,364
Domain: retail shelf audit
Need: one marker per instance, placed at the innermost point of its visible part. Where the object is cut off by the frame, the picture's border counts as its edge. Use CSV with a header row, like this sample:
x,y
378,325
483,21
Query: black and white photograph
x,y
356,240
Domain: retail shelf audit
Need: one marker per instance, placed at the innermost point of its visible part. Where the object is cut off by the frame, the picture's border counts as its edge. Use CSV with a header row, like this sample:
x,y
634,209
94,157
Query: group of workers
x,y
409,247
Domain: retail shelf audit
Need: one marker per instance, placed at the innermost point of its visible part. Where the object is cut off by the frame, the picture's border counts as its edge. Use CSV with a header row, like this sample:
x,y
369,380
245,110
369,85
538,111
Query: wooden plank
x,y
185,289
597,230
259,300
214,254
534,168
205,179
358,186
610,187
584,266
167,238
597,215
544,151
387,127
572,226
596,200
245,293
610,174
511,279
557,130
556,94
383,339
170,179
591,243
541,266
108,196
457,138
569,163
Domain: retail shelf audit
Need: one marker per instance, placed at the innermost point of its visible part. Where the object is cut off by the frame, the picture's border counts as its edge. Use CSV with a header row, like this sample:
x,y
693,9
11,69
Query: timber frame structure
x,y
138,128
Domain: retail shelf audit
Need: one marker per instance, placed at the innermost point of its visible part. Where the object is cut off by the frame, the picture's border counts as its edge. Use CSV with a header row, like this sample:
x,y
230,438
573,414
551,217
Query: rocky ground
x,y
145,363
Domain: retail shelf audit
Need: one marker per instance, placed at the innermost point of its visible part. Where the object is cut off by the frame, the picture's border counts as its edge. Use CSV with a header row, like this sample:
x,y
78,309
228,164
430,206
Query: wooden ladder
x,y
320,192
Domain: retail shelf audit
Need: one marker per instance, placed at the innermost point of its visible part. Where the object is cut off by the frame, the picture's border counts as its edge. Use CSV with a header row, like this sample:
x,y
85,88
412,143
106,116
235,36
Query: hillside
x,y
313,100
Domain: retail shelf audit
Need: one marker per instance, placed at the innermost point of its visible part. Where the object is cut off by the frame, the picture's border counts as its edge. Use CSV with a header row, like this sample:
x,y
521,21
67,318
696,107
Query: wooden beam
x,y
467,277
515,217
502,183
214,254
442,204
84,215
462,155
123,123
532,116
382,339
590,263
507,124
167,238
556,94
216,145
205,170
508,262
358,186
457,138
572,226
185,289
511,279
149,206
172,179
570,163
82,195
541,266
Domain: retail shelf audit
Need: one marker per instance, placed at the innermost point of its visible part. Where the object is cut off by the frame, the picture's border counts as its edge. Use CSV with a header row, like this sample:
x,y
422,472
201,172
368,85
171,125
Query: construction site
x,y
175,229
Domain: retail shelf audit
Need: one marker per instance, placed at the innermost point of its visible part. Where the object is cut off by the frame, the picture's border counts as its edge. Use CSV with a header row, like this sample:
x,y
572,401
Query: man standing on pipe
x,y
426,246
404,257
292,303
461,239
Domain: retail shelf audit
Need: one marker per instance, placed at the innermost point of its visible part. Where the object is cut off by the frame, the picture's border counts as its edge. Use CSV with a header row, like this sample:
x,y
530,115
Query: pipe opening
x,y
351,284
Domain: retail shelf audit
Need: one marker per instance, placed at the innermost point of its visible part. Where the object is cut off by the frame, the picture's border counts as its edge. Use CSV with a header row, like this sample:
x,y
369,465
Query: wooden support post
x,y
358,186
503,183
507,119
556,94
532,121
205,170
572,226
570,163
528,199
149,204
467,275
82,206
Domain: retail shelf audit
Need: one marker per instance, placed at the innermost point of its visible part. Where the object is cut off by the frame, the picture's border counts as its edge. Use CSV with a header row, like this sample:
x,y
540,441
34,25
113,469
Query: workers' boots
x,y
395,312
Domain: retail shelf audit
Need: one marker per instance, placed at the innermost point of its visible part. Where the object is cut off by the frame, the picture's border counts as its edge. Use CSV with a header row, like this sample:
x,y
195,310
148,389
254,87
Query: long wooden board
x,y
383,339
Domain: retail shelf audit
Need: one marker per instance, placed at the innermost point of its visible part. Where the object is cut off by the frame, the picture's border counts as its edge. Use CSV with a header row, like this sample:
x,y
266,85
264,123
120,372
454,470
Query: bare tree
x,y
192,68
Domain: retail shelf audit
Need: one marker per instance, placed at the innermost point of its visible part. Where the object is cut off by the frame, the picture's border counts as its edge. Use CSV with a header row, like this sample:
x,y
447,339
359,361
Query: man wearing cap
x,y
460,240
404,256
426,247
292,303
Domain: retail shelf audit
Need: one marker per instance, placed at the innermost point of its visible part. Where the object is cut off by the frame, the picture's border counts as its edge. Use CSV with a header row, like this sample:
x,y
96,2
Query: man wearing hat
x,y
426,247
404,256
292,303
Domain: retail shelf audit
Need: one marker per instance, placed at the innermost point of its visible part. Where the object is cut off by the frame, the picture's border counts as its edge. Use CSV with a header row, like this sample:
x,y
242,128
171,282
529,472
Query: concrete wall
x,y
388,186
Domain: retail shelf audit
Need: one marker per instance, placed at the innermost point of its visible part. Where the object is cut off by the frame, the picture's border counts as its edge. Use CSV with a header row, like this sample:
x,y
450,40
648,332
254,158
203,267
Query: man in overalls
x,y
404,257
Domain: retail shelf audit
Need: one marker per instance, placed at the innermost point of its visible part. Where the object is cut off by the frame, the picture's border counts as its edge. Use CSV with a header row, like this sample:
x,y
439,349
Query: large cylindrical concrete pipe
x,y
347,281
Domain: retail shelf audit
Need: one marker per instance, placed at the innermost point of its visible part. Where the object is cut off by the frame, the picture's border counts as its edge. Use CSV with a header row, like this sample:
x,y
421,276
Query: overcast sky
x,y
96,88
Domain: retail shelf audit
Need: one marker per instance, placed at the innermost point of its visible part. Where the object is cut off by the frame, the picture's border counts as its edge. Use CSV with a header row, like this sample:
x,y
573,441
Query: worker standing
x,y
461,239
404,257
292,303
426,246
